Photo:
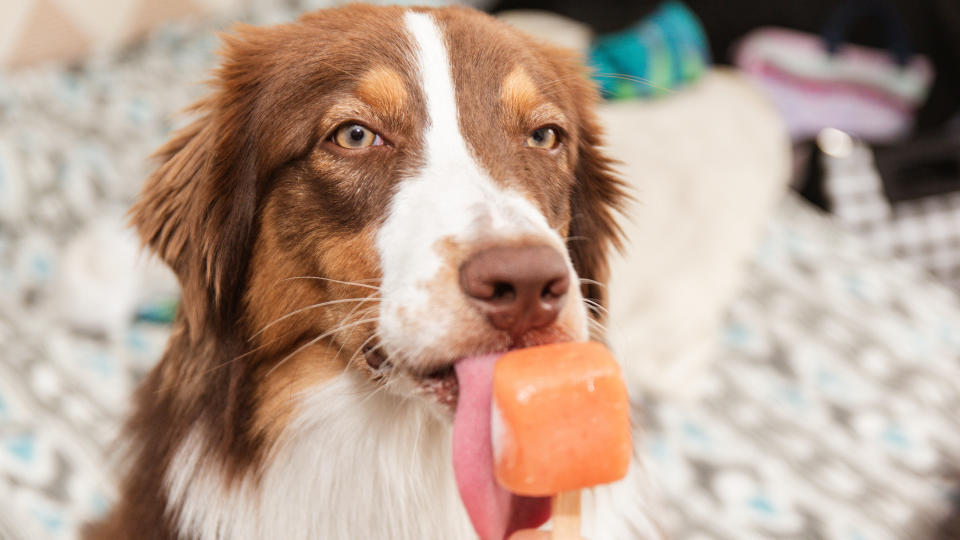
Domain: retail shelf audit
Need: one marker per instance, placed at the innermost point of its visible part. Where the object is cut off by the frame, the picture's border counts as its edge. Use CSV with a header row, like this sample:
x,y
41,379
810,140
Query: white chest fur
x,y
360,463
355,463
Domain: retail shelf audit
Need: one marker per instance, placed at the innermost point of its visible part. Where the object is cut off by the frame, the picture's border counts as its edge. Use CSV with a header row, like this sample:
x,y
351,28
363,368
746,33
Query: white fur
x,y
355,463
623,510
450,198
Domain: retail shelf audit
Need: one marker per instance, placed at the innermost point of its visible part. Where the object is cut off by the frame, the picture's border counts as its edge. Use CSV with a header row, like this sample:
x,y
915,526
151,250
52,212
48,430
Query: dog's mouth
x,y
440,384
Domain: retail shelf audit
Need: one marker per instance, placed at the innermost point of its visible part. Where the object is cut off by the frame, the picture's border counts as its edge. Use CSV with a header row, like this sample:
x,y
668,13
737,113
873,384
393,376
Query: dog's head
x,y
382,190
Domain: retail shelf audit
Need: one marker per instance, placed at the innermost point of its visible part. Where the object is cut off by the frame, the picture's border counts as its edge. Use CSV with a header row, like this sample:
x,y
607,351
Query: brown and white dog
x,y
368,195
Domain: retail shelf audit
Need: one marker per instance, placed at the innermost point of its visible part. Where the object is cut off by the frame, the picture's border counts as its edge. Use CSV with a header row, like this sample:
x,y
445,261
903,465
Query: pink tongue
x,y
495,512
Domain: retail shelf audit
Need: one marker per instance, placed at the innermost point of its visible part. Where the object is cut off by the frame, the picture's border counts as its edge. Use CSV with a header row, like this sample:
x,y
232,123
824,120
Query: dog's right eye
x,y
356,136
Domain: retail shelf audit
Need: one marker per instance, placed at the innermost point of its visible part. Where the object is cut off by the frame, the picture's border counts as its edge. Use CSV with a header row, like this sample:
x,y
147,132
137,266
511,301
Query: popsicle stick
x,y
566,515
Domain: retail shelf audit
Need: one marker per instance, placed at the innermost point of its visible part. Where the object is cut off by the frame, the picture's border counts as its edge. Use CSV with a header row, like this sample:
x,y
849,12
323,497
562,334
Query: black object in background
x,y
812,186
932,27
921,167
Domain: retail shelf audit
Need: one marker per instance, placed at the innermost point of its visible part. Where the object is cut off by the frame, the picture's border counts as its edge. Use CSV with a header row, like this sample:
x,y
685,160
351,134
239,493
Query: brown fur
x,y
251,202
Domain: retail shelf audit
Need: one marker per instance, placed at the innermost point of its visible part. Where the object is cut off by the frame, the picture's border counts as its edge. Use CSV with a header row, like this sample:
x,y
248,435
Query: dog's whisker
x,y
359,302
548,86
596,305
597,323
378,345
388,381
365,313
416,439
234,359
313,306
317,339
597,327
382,372
262,345
359,350
375,336
352,283
593,282
633,78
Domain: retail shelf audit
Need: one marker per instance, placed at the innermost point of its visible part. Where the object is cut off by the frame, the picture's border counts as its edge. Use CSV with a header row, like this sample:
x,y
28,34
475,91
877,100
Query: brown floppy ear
x,y
197,210
597,196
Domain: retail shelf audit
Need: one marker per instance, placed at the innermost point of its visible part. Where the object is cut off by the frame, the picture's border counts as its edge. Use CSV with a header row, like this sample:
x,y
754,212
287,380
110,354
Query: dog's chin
x,y
441,388
438,388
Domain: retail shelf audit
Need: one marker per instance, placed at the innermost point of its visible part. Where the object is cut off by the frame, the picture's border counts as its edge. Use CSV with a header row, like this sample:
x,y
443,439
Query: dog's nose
x,y
517,288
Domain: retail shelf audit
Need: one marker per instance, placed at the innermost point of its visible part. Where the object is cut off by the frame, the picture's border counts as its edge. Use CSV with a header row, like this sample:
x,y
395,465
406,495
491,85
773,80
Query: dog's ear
x,y
594,232
598,194
197,210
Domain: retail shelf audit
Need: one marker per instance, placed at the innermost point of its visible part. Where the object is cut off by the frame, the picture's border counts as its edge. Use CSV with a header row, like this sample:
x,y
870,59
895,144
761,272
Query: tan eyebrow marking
x,y
519,93
525,104
383,89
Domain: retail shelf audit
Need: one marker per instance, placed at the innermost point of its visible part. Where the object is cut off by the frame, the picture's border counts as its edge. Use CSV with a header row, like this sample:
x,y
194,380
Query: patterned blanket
x,y
829,413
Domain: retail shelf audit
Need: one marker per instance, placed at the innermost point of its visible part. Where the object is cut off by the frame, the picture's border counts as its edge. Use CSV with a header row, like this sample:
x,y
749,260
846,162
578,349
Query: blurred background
x,y
786,305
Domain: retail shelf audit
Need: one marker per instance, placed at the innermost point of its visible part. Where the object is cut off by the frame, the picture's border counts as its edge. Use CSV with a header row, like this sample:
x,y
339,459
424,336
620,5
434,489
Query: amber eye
x,y
545,137
356,136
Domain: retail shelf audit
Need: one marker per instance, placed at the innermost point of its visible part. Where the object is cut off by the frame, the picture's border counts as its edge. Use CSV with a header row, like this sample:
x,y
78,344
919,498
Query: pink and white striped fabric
x,y
859,90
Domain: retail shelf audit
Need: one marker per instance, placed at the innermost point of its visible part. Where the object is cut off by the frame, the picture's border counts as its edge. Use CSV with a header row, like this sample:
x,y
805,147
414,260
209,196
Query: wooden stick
x,y
566,515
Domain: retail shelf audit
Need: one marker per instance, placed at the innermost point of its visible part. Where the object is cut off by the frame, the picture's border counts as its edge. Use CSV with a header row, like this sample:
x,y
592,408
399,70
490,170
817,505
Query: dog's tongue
x,y
495,512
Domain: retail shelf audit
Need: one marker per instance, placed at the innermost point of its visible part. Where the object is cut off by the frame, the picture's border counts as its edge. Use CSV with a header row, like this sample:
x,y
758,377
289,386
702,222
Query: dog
x,y
367,195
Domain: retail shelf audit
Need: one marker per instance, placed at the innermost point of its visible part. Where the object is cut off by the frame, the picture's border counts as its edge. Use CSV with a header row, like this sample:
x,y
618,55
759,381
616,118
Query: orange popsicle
x,y
560,419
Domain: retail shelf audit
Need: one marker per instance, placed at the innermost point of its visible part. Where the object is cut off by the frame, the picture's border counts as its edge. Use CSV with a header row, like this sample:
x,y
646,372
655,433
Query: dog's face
x,y
386,191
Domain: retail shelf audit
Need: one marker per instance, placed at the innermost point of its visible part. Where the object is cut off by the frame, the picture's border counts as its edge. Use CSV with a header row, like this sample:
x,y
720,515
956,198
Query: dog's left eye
x,y
545,137
356,136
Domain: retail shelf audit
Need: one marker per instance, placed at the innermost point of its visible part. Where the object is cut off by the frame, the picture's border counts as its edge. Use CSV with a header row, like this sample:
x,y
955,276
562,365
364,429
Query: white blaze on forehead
x,y
450,198
443,136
